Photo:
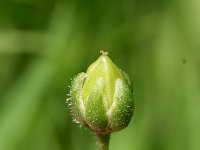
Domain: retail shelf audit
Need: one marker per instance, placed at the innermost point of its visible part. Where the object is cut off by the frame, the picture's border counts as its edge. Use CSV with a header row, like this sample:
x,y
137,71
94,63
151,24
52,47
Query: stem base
x,y
103,141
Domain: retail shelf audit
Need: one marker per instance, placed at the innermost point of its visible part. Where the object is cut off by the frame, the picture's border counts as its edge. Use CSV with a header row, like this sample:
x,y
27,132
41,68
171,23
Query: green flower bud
x,y
102,98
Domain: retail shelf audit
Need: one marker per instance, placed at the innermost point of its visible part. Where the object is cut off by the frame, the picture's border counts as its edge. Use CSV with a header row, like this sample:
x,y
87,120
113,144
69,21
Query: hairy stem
x,y
103,141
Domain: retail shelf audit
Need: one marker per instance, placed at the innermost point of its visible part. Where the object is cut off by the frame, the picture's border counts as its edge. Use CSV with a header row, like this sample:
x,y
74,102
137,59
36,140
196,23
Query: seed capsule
x,y
102,98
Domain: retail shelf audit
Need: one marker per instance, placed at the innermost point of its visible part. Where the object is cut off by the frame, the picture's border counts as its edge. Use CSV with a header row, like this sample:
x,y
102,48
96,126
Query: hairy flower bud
x,y
102,98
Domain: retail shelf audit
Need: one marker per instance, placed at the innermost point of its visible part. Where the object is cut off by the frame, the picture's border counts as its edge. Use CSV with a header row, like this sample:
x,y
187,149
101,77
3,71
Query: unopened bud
x,y
102,98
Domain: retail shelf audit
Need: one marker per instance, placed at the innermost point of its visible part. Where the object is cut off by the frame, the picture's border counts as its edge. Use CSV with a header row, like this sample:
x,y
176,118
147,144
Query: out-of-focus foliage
x,y
45,42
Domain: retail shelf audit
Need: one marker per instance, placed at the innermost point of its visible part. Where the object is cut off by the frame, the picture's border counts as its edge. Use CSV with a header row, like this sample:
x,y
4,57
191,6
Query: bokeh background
x,y
44,43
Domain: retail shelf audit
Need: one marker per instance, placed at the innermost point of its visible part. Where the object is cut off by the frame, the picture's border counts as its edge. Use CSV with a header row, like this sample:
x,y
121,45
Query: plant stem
x,y
103,141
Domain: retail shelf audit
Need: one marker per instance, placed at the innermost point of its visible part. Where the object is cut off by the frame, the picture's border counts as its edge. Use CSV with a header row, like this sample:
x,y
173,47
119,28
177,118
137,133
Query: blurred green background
x,y
44,43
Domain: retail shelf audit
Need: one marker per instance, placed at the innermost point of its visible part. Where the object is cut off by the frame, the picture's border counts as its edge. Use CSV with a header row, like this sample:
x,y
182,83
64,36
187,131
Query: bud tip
x,y
103,53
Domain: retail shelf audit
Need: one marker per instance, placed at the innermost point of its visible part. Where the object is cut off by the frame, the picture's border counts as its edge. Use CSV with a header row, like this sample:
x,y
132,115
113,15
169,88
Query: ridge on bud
x,y
102,98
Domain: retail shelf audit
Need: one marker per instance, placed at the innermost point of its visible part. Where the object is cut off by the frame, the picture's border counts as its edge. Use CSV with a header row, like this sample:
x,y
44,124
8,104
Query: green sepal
x,y
121,110
128,80
95,107
76,102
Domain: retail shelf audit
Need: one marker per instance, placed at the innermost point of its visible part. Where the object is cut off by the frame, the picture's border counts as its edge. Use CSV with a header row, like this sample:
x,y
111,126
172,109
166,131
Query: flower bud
x,y
102,98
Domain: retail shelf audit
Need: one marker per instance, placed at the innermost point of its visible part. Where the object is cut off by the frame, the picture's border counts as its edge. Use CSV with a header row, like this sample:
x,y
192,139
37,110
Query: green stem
x,y
103,141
